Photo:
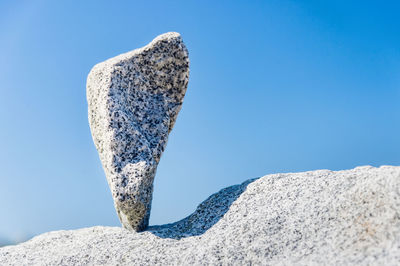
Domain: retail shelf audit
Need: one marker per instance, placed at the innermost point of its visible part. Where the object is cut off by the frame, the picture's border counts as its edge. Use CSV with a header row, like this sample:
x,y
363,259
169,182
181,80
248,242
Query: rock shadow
x,y
207,214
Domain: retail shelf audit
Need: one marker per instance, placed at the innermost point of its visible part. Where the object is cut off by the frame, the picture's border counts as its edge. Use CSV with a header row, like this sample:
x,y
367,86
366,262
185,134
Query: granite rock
x,y
319,217
133,102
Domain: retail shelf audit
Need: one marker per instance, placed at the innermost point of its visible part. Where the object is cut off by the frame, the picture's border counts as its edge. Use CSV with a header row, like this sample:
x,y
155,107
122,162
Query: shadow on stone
x,y
207,214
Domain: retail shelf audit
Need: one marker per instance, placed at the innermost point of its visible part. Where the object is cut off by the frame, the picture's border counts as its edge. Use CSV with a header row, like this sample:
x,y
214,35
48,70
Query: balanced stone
x,y
134,100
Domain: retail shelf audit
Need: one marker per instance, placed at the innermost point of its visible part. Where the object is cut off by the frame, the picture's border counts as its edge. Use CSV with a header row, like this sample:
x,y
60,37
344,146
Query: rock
x,y
320,217
134,100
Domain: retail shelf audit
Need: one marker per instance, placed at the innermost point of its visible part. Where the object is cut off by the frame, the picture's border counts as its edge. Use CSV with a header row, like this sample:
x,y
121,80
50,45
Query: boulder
x,y
319,217
133,102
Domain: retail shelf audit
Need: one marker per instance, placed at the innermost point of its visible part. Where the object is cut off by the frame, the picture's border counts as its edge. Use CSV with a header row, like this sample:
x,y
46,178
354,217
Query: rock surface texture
x,y
320,217
134,100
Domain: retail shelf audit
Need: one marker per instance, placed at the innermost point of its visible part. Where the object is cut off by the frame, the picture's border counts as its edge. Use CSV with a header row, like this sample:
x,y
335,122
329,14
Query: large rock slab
x,y
320,217
133,101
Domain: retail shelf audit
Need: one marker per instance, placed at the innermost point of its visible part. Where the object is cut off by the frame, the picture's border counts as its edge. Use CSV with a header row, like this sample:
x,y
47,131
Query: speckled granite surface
x,y
319,217
133,101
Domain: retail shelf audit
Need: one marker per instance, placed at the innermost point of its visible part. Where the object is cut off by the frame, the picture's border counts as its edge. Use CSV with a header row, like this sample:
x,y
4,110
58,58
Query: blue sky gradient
x,y
275,86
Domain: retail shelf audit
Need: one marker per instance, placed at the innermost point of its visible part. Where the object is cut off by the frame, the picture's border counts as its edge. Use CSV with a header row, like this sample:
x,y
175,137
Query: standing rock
x,y
134,100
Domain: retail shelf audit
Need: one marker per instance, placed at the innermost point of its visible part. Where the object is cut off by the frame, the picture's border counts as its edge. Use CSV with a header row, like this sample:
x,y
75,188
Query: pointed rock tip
x,y
168,35
115,60
165,37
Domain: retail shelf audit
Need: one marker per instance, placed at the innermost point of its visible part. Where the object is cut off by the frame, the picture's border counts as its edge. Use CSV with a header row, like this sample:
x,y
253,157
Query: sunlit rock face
x,y
134,100
320,217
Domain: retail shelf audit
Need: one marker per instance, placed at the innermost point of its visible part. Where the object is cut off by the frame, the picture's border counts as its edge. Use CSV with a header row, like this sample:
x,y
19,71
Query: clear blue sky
x,y
275,86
